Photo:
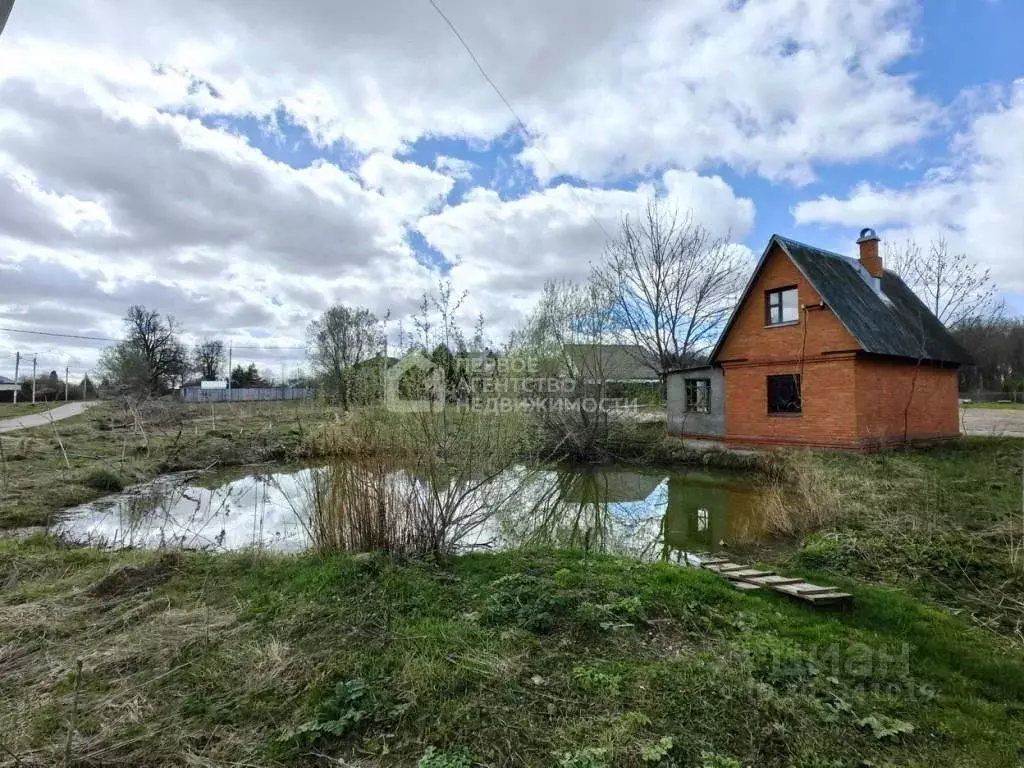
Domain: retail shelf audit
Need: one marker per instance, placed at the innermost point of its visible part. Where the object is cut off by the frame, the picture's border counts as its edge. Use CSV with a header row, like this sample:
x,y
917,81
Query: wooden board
x,y
772,580
813,594
746,574
745,578
724,567
744,586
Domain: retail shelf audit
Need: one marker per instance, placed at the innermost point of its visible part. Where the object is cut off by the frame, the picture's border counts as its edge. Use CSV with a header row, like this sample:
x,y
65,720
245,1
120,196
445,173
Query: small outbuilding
x,y
823,350
7,389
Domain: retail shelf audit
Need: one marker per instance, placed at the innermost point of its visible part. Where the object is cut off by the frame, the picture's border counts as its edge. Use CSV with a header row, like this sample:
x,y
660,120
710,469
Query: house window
x,y
782,306
698,395
784,394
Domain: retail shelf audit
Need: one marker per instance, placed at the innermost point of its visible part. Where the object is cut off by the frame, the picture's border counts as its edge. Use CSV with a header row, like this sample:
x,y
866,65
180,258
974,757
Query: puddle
x,y
645,514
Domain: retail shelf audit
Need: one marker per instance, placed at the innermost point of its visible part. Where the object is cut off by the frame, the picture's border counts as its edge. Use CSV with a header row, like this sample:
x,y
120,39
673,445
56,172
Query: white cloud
x,y
502,251
775,86
455,167
412,187
975,203
105,206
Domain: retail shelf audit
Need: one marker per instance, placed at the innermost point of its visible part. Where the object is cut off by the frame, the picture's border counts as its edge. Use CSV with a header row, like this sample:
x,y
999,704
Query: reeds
x,y
801,496
414,483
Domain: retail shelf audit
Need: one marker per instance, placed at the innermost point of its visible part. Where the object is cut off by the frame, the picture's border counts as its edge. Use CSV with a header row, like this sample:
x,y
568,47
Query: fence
x,y
246,394
992,397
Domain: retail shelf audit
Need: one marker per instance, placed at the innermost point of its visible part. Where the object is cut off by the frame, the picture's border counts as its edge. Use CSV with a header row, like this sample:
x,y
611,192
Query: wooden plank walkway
x,y
743,577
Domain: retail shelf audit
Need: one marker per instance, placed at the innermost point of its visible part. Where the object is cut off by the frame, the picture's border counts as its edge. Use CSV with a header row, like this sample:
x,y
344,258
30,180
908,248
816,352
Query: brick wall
x,y
829,404
886,387
849,400
749,336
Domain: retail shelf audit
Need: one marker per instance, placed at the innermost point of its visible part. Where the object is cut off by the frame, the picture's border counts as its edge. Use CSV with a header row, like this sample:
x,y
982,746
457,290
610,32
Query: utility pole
x,y
229,370
34,378
66,374
17,362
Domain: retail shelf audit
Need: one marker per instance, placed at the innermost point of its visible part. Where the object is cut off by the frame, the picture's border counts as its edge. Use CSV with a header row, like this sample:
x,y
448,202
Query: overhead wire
x,y
515,115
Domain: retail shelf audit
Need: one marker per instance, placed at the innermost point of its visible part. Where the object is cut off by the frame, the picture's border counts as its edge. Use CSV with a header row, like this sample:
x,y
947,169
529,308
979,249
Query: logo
x,y
415,384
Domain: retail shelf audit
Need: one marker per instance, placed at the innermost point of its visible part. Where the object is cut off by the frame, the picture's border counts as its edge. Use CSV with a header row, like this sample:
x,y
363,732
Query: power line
x,y
519,121
117,341
59,335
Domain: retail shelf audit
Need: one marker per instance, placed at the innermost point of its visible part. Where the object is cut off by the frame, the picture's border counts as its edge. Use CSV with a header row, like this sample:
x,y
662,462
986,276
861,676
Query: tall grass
x,y
801,496
414,483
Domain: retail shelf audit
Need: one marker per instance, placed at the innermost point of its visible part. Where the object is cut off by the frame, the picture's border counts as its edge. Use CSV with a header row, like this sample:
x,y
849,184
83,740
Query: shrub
x,y
594,680
103,479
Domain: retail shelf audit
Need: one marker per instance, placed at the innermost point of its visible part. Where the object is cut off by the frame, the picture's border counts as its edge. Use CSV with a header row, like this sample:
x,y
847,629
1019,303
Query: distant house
x,y
7,389
612,363
823,350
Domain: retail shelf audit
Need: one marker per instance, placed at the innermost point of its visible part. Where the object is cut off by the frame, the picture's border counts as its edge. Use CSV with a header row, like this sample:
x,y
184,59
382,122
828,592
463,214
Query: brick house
x,y
823,350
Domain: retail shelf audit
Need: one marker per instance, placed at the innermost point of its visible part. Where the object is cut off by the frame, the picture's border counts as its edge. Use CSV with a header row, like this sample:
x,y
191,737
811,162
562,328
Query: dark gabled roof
x,y
893,322
613,362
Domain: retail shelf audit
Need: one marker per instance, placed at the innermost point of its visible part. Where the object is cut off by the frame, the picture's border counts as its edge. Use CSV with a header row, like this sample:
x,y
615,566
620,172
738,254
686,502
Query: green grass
x,y
517,659
946,523
13,411
1005,406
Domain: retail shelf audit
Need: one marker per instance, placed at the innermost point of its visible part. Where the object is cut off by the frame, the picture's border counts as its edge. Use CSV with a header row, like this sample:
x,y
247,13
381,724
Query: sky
x,y
244,164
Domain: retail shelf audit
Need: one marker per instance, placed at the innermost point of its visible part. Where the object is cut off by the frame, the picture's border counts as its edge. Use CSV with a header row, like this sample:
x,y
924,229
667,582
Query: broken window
x,y
698,395
782,306
784,394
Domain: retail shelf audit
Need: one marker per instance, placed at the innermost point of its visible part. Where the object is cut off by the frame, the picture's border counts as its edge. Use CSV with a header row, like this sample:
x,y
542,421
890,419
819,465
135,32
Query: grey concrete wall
x,y
680,421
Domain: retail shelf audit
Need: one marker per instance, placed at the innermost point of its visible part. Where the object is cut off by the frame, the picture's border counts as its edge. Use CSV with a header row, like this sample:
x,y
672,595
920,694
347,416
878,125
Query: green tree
x,y
151,359
339,340
246,377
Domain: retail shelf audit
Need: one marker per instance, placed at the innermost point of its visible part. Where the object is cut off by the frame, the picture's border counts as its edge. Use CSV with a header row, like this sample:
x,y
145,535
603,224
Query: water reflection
x,y
643,514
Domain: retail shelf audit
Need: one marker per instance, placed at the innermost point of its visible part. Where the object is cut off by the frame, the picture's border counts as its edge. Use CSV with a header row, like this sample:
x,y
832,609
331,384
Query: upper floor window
x,y
782,306
698,395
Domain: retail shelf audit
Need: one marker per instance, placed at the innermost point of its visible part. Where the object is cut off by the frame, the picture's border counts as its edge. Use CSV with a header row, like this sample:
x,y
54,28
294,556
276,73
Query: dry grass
x,y
128,644
415,483
801,497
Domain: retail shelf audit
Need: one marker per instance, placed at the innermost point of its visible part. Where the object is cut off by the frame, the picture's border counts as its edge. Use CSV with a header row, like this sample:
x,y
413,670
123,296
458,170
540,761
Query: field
x,y
553,659
14,410
998,406
524,658
76,460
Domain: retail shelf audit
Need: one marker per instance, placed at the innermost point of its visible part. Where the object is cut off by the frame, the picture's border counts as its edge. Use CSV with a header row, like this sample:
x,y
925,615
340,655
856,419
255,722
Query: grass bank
x,y
15,410
945,523
517,659
45,469
1003,406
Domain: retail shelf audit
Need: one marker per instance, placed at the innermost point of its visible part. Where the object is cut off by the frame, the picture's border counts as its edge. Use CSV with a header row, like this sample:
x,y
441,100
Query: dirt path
x,y
42,419
993,421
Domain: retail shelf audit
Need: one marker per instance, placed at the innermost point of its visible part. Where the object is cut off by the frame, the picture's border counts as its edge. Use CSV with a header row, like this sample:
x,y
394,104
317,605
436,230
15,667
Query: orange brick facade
x,y
848,399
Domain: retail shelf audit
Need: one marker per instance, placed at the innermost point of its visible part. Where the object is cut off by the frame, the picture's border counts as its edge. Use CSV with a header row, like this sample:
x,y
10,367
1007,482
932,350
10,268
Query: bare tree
x,y
951,285
208,359
339,340
435,319
151,359
563,338
671,284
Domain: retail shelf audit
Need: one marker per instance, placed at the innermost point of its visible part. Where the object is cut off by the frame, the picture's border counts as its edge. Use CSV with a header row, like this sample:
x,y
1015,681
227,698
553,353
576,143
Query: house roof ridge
x,y
887,319
826,251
